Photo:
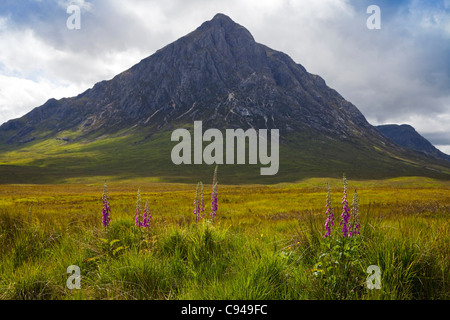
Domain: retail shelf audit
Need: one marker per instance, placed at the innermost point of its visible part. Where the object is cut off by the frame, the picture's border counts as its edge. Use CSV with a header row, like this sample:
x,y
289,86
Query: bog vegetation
x,y
310,240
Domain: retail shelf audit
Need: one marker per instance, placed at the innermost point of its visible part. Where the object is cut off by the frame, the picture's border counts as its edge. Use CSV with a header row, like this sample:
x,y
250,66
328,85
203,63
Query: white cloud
x,y
3,22
437,124
18,95
84,5
33,71
444,148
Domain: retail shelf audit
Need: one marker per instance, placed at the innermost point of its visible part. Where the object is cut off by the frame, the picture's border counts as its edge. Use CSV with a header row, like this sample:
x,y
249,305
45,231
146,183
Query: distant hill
x,y
219,74
407,137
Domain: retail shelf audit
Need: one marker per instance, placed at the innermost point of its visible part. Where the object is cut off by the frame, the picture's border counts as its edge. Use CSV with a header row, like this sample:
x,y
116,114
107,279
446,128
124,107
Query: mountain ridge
x,y
219,74
407,137
254,67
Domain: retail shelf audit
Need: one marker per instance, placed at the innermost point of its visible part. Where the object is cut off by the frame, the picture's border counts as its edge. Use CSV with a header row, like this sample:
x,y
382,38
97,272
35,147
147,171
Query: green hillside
x,y
142,155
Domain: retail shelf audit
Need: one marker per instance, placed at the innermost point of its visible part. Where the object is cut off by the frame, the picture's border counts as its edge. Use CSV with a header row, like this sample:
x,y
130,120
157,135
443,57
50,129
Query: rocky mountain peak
x,y
222,26
218,74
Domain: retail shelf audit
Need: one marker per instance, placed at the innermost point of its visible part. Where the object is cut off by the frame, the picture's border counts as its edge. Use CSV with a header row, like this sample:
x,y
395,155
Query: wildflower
x,y
137,213
329,212
202,202
345,222
355,215
147,216
214,195
106,212
199,205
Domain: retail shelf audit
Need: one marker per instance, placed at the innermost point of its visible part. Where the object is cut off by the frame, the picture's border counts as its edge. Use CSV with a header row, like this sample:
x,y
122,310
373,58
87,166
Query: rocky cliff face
x,y
218,74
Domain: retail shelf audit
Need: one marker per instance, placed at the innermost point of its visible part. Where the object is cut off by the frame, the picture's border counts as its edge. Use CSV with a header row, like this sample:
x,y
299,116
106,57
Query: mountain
x,y
218,74
407,137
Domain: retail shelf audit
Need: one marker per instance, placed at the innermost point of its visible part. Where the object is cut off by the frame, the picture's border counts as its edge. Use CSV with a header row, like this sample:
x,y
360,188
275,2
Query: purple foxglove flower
x,y
147,216
214,195
106,211
199,205
345,216
329,212
137,212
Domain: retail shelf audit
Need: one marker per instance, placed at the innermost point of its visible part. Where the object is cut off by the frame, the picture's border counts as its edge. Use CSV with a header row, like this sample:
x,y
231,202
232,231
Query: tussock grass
x,y
266,243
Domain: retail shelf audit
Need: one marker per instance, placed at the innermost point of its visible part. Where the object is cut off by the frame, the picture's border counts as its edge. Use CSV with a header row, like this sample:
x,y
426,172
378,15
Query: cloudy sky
x,y
397,74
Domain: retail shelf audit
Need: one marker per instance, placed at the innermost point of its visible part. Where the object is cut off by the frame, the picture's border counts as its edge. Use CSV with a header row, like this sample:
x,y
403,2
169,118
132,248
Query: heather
x,y
249,242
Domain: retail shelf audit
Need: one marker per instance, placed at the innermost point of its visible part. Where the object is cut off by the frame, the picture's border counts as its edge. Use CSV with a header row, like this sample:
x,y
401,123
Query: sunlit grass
x,y
265,243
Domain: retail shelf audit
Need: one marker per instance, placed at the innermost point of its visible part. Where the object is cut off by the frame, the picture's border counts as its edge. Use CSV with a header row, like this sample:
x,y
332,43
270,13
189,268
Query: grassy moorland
x,y
147,154
267,242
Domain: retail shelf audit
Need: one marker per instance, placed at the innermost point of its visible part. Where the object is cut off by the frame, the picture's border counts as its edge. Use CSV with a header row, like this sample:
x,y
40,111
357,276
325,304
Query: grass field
x,y
147,155
267,242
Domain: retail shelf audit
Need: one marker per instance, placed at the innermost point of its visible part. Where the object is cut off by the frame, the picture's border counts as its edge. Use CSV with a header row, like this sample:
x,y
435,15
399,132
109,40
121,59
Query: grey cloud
x,y
438,138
